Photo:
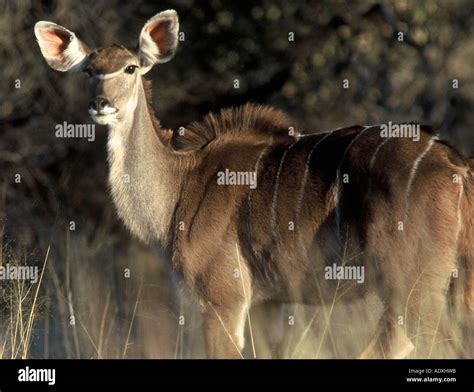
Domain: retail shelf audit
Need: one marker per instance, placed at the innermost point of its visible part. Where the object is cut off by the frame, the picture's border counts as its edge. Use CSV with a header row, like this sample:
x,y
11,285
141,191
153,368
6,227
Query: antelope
x,y
398,208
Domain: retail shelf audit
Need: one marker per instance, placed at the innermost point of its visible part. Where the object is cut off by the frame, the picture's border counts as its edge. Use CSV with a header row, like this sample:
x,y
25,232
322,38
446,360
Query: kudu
x,y
402,209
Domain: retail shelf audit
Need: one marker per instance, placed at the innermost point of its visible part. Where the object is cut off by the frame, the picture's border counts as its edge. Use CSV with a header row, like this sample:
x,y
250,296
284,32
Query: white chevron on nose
x,y
108,75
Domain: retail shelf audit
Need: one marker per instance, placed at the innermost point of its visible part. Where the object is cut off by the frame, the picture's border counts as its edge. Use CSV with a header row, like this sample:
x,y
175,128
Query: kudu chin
x,y
250,210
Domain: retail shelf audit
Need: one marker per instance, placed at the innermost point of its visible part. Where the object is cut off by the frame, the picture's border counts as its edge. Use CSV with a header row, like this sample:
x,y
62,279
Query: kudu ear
x,y
158,39
62,50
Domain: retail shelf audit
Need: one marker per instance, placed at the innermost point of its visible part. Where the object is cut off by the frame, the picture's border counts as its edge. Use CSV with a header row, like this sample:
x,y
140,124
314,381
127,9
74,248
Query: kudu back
x,y
248,209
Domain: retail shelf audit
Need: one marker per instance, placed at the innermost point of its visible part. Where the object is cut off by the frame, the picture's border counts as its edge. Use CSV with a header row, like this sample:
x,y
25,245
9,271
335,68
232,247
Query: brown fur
x,y
347,197
107,60
466,247
255,122
288,265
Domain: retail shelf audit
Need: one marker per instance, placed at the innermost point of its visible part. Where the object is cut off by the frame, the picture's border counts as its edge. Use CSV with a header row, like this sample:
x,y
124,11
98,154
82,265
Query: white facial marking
x,y
108,110
105,119
108,75
107,115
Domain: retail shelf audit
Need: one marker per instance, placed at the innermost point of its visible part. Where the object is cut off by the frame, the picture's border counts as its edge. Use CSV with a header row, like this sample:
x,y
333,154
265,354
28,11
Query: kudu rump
x,y
249,210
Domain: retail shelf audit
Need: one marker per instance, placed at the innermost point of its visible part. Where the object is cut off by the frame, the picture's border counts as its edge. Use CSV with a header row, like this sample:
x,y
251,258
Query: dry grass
x,y
86,306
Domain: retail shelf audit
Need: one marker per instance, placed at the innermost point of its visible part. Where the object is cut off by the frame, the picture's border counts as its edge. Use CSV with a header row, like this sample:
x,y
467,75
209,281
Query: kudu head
x,y
114,72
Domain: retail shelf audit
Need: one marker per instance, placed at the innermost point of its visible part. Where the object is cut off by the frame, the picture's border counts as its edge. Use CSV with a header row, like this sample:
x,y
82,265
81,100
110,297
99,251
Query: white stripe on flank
x,y
459,226
338,180
275,189
374,157
372,165
302,135
299,200
257,165
413,174
346,127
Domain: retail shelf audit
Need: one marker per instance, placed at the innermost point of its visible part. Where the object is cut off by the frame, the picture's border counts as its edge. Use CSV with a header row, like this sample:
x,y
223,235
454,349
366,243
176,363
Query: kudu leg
x,y
422,327
268,319
435,334
389,342
224,329
275,331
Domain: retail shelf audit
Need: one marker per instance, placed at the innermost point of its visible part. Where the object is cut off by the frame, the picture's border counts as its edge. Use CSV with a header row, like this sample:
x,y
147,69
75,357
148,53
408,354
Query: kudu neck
x,y
141,126
142,173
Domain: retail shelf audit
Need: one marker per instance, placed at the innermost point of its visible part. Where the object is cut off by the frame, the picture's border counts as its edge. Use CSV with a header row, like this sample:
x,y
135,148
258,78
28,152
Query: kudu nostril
x,y
99,104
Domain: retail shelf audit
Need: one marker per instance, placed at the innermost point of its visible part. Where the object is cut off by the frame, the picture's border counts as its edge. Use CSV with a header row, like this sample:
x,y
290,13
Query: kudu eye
x,y
88,71
131,69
